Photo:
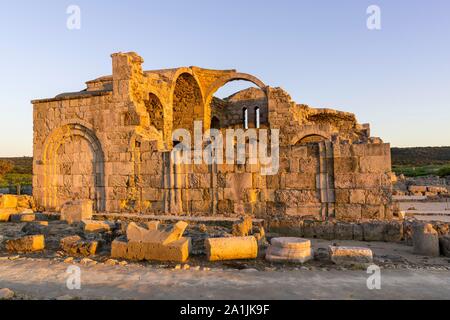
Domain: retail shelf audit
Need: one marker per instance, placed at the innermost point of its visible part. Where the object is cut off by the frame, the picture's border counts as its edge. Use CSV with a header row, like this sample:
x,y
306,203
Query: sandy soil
x,y
403,276
48,281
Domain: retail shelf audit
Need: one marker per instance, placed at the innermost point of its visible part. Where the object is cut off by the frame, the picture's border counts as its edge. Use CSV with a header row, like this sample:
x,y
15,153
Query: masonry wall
x,y
112,146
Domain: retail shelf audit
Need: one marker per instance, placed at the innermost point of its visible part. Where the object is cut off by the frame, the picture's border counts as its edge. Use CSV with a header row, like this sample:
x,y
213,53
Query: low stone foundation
x,y
386,231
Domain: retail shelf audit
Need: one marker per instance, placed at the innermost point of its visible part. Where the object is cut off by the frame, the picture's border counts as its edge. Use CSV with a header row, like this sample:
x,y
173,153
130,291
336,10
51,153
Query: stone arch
x,y
311,139
310,132
187,102
220,82
73,163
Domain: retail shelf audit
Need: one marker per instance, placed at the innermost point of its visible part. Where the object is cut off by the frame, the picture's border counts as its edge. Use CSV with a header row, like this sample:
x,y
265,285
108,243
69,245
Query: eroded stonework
x,y
111,143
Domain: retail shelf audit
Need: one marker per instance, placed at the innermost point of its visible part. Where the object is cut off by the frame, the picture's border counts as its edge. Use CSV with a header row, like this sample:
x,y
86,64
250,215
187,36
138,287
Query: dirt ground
x,y
403,276
43,275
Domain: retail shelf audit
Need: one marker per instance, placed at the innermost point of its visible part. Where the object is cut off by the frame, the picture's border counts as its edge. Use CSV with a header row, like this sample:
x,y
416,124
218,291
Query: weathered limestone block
x,y
425,240
138,234
417,189
23,217
5,214
296,250
233,248
444,243
393,231
243,228
26,244
374,230
76,211
92,226
350,255
152,225
74,245
343,231
177,251
8,201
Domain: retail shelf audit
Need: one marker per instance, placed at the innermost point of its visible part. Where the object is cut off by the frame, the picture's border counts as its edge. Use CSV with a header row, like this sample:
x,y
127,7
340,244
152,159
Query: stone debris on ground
x,y
75,245
350,255
425,240
77,211
289,249
234,248
23,217
6,294
152,225
145,244
243,228
93,226
26,244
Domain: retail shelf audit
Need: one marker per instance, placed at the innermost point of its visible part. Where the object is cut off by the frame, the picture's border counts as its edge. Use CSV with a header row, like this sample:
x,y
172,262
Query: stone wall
x,y
112,144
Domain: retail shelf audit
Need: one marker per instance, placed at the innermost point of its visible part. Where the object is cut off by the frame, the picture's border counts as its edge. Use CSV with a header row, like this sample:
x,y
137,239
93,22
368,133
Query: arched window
x,y
245,118
257,118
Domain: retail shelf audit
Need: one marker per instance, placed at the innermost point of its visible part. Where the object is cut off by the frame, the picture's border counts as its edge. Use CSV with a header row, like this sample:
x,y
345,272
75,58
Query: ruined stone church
x,y
111,144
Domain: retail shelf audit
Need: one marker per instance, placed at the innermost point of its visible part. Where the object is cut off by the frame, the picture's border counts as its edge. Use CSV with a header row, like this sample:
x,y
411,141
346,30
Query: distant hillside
x,y
22,165
420,156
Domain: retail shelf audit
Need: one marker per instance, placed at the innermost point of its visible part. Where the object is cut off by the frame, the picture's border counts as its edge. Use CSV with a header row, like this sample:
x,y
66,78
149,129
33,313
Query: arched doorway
x,y
73,167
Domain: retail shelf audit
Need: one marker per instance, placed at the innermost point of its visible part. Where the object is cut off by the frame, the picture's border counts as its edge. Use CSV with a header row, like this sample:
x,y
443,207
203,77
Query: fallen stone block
x,y
295,250
425,240
444,244
23,217
75,245
26,244
6,294
176,251
152,225
8,201
350,255
92,226
243,228
5,214
77,211
233,248
26,202
138,234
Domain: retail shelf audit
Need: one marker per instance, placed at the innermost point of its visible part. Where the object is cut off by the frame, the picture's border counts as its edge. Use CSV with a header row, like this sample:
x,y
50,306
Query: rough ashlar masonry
x,y
110,144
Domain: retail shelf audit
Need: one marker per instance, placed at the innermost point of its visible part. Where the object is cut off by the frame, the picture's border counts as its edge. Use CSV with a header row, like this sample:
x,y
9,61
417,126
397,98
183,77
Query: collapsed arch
x,y
84,166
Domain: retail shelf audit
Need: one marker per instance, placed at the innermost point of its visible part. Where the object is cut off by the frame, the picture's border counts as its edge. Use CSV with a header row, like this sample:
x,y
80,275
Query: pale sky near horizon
x,y
321,52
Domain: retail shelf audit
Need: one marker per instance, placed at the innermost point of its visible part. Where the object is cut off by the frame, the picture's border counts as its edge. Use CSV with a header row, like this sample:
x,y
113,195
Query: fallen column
x,y
234,248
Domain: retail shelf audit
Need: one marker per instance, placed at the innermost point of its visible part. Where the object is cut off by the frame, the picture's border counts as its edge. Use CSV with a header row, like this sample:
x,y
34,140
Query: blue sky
x,y
321,52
